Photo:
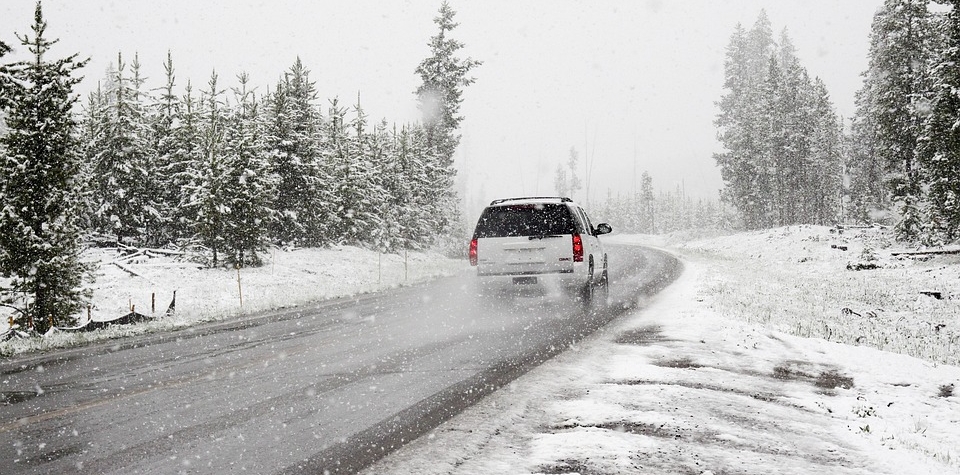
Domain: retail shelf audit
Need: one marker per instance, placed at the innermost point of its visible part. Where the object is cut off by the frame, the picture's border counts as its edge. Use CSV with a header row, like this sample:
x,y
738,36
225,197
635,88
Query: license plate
x,y
524,280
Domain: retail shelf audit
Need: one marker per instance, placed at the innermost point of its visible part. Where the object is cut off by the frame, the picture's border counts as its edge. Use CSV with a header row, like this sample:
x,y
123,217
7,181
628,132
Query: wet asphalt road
x,y
329,387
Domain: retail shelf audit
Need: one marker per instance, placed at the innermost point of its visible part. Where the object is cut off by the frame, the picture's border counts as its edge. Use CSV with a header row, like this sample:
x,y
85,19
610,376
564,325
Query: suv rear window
x,y
525,220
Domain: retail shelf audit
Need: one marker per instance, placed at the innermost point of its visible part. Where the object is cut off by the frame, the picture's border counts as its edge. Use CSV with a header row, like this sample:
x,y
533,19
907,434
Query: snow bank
x,y
851,286
288,278
719,374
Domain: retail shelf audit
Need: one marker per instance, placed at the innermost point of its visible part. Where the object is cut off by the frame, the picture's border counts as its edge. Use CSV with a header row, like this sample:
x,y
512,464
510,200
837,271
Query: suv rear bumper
x,y
523,273
554,282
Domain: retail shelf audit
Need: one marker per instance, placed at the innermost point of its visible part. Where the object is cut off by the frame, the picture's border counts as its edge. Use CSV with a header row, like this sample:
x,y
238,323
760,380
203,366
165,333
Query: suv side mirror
x,y
603,228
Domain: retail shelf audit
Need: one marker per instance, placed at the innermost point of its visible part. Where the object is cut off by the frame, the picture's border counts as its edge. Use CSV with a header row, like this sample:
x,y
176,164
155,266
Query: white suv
x,y
547,242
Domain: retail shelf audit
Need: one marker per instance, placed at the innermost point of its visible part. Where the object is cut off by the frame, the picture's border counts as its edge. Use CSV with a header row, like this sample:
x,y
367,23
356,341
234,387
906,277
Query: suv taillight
x,y
577,248
473,252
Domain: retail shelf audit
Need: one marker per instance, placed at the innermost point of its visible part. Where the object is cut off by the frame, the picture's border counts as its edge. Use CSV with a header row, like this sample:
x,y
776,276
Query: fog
x,y
630,85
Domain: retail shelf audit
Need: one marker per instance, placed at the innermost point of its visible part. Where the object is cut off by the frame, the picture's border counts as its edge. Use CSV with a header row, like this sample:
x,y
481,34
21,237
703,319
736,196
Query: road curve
x,y
330,387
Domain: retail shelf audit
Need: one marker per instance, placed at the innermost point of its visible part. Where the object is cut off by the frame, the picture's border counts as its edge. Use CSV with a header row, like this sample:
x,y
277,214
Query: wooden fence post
x,y
239,286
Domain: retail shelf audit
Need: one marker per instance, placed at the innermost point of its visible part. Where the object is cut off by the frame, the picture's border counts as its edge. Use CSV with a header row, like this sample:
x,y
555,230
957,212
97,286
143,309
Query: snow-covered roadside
x,y
799,280
288,278
698,383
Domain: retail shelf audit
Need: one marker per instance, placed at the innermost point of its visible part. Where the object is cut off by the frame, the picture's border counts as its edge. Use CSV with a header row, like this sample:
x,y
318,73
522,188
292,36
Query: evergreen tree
x,y
148,192
895,80
6,84
824,181
386,153
295,144
435,197
248,184
416,220
184,160
173,140
740,126
869,197
560,182
124,161
575,182
39,172
443,75
92,123
565,180
208,193
939,143
774,160
381,203
647,222
781,163
358,184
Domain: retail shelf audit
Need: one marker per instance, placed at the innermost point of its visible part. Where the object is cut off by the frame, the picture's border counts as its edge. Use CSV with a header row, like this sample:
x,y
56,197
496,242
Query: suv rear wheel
x,y
595,294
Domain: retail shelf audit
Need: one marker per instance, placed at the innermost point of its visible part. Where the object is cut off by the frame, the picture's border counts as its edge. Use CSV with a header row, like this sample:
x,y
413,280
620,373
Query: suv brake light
x,y
473,252
577,248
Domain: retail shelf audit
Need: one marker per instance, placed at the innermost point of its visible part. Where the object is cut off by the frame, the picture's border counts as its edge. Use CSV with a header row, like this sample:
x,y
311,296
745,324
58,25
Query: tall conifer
x,y
939,143
444,75
248,183
39,189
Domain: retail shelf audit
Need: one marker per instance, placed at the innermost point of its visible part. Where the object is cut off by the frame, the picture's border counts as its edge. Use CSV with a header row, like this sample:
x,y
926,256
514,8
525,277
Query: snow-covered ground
x,y
729,371
146,284
767,356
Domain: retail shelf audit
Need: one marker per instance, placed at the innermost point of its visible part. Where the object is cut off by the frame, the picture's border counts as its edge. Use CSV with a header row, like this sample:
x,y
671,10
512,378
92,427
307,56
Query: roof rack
x,y
562,199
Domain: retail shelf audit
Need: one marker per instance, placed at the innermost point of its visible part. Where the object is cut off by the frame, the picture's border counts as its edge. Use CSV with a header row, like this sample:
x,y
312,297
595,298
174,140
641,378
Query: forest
x,y
788,159
228,169
218,168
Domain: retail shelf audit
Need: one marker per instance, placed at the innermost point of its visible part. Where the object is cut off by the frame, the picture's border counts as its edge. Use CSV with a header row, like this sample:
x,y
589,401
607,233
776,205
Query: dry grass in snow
x,y
801,280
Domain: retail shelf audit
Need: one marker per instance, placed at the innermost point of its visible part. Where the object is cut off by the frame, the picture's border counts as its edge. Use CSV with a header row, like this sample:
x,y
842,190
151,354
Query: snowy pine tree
x,y
39,172
6,82
416,221
745,68
939,142
358,185
295,144
384,203
124,162
647,203
91,124
782,158
444,75
183,162
174,135
894,84
823,183
248,183
207,190
869,198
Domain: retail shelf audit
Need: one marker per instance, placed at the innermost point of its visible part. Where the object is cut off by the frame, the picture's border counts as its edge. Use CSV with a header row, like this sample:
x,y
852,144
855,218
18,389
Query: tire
x,y
587,295
602,293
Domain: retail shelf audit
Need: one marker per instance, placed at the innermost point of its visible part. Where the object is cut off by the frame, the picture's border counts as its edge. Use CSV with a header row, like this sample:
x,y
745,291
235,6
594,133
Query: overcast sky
x,y
632,84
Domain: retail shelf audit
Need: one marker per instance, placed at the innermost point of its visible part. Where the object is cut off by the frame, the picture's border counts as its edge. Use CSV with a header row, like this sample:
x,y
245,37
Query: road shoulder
x,y
676,388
